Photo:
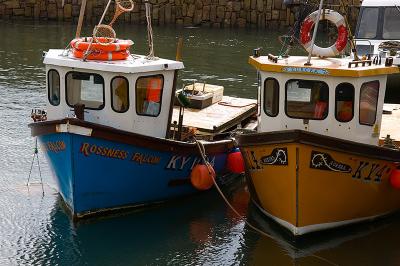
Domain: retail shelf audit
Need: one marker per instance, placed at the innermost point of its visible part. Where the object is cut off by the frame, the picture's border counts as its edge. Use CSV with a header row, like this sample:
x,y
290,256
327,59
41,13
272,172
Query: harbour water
x,y
199,230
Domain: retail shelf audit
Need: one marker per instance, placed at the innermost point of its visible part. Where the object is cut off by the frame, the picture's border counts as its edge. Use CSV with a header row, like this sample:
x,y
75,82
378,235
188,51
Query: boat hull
x,y
99,169
308,182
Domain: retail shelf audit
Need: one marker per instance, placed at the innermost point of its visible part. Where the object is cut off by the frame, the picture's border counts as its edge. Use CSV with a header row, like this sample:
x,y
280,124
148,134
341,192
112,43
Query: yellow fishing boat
x,y
322,157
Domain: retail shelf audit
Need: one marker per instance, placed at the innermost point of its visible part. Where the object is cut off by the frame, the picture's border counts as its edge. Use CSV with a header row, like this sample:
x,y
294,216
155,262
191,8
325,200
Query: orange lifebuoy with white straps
x,y
306,32
101,55
84,43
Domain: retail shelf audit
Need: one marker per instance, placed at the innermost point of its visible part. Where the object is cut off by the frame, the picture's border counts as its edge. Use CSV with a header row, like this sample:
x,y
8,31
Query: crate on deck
x,y
202,95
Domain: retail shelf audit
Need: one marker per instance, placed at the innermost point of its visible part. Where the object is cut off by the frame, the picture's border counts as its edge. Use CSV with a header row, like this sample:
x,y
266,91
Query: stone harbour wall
x,y
211,13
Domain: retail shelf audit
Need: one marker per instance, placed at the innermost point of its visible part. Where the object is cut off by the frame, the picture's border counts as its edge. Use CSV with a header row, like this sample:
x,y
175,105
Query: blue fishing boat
x,y
112,133
109,137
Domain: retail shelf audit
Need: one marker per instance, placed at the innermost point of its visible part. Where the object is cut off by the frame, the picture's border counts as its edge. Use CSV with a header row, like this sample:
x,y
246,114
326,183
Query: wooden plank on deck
x,y
219,116
391,122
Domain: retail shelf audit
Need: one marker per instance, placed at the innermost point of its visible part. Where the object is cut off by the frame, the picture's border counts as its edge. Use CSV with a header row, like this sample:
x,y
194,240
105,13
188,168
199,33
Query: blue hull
x,y
95,174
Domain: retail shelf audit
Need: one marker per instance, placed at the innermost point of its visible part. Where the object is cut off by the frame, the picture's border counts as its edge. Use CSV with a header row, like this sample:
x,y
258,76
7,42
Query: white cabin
x,y
327,98
378,21
133,95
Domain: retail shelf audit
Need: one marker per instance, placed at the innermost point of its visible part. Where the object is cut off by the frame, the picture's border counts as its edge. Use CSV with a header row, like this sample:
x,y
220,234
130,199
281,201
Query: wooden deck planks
x,y
218,117
390,122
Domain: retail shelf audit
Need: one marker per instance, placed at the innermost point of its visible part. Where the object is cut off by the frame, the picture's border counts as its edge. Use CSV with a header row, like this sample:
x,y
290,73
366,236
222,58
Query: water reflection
x,y
368,243
193,232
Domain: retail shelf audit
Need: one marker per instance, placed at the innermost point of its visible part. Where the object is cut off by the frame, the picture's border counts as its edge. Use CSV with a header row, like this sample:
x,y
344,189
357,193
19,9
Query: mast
x,y
314,33
80,20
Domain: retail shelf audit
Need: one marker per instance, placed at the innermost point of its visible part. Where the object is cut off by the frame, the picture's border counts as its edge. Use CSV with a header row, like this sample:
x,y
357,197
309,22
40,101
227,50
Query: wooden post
x,y
179,50
80,20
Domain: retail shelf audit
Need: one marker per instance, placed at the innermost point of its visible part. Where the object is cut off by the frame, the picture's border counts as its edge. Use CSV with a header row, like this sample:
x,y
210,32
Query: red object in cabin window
x,y
154,90
345,114
320,108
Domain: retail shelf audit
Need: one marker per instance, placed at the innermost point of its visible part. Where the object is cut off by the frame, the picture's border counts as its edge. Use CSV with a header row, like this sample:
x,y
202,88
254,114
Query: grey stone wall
x,y
206,13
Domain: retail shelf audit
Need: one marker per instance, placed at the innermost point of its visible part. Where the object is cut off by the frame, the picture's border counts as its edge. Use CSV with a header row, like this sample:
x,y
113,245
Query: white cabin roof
x,y
381,3
134,64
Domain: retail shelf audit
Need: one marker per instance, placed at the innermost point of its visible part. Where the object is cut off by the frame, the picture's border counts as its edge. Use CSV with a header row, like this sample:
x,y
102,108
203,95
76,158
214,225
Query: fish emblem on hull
x,y
324,161
278,156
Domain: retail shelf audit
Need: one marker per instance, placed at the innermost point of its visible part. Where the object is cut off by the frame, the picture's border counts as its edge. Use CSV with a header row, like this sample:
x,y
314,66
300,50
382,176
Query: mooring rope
x,y
203,155
35,155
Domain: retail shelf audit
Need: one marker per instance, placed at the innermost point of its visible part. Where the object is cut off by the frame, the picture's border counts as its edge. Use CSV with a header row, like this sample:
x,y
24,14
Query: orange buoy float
x,y
84,43
202,177
235,162
102,55
394,178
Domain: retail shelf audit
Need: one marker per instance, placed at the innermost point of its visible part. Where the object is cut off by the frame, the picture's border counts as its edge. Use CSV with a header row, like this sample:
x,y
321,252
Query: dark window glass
x,y
344,102
369,93
148,95
120,94
391,24
271,97
53,87
307,99
85,88
368,23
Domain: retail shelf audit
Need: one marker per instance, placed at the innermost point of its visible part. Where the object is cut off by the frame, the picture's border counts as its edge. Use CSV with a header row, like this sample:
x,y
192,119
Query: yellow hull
x,y
307,187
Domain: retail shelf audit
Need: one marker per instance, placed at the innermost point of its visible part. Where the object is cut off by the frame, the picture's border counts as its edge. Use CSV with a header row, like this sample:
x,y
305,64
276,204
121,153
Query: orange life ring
x,y
306,32
84,43
102,55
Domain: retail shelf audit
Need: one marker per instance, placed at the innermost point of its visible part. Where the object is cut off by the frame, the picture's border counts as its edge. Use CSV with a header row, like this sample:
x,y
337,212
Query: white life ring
x,y
308,25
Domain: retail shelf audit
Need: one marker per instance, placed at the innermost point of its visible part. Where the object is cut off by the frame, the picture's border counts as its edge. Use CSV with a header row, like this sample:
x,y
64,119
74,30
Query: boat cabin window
x,y
344,102
271,97
148,95
307,99
368,23
391,24
380,23
120,94
86,89
53,80
369,93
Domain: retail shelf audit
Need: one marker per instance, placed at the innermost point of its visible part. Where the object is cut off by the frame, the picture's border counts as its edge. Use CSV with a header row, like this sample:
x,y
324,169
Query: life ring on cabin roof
x,y
102,55
84,43
306,33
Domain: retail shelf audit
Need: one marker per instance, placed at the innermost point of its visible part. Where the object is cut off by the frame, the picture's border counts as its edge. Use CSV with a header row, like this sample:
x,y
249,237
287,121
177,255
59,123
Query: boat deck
x,y
390,120
217,117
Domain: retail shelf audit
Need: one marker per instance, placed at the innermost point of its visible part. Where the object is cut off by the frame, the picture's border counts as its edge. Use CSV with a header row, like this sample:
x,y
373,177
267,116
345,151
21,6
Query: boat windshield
x,y
368,24
379,23
391,29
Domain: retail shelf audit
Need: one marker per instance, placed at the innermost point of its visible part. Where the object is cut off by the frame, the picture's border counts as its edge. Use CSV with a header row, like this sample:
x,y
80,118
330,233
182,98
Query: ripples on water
x,y
34,230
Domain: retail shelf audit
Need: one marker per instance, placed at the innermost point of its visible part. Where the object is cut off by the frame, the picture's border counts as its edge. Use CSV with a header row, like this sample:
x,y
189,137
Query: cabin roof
x,y
337,67
134,64
380,3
